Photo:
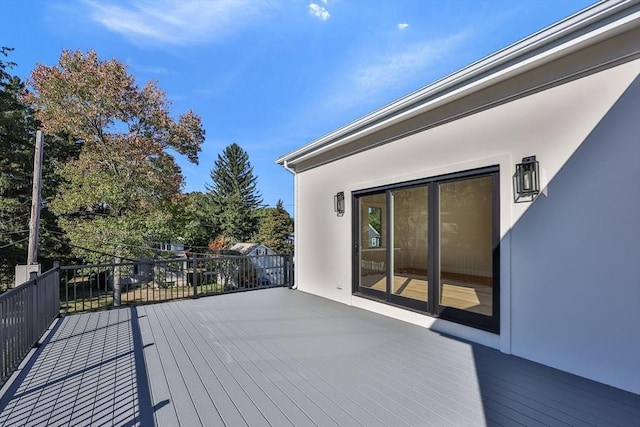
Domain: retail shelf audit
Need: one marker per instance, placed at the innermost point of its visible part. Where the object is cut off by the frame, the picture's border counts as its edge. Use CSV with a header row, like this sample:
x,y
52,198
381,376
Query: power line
x,y
86,212
120,244
14,232
109,243
21,216
91,250
14,243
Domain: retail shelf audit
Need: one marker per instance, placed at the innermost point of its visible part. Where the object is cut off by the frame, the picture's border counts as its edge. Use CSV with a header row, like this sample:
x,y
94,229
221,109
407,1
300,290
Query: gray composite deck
x,y
285,358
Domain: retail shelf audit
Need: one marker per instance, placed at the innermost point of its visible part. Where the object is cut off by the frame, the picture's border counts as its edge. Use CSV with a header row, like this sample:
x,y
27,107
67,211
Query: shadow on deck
x,y
281,357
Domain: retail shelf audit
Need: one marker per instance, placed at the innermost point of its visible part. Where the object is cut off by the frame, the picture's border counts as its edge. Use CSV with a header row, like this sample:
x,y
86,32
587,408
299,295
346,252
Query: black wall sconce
x,y
338,203
526,181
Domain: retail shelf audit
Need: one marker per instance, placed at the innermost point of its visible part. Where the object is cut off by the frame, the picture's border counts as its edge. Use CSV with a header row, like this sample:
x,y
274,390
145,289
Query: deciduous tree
x,y
276,229
121,189
198,227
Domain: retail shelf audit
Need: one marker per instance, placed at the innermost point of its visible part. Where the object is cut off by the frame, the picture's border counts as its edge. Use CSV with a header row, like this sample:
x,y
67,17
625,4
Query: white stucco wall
x,y
575,257
568,299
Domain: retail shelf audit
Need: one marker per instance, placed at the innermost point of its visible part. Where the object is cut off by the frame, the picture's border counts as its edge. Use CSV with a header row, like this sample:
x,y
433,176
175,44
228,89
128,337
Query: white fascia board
x,y
441,91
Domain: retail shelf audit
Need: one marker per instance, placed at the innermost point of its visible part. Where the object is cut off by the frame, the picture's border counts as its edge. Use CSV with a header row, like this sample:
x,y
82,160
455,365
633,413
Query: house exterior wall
x,y
569,298
582,299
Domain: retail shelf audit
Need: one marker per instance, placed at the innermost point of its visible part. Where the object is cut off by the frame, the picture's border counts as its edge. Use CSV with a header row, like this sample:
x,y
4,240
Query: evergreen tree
x,y
234,197
15,196
276,228
17,140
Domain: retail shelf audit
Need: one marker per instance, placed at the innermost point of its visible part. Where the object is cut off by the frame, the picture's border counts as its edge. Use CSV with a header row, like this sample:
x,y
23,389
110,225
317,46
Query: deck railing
x,y
97,286
26,312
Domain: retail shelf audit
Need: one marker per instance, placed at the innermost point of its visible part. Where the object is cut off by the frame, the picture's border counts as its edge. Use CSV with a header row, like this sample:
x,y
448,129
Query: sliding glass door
x,y
410,246
432,245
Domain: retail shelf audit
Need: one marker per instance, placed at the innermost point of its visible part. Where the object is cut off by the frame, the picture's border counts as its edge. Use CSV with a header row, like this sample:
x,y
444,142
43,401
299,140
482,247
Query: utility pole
x,y
34,223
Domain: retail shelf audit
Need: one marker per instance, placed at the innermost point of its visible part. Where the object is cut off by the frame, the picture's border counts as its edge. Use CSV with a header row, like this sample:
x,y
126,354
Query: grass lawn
x,y
83,297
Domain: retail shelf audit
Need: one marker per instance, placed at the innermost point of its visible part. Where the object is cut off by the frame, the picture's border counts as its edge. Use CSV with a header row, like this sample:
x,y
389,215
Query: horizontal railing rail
x,y
99,286
26,312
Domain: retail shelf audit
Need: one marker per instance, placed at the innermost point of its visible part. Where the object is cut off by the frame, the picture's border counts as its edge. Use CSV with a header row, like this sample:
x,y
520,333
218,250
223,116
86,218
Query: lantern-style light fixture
x,y
338,203
526,181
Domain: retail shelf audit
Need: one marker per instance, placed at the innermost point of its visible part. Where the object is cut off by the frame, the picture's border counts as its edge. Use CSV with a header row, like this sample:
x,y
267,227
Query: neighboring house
x,y
374,237
172,247
252,249
162,274
268,265
554,280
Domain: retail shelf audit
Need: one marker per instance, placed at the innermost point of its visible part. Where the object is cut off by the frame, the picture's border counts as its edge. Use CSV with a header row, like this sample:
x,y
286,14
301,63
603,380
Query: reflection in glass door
x,y
372,242
410,243
466,244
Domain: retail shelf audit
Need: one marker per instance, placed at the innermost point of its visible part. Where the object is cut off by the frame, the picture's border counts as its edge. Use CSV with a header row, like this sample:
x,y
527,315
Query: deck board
x,y
295,401
180,396
217,395
280,357
246,375
196,387
165,413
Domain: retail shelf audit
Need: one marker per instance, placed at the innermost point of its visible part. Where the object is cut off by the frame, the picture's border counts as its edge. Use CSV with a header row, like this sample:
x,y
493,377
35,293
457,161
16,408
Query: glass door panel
x,y
432,245
410,243
466,245
373,242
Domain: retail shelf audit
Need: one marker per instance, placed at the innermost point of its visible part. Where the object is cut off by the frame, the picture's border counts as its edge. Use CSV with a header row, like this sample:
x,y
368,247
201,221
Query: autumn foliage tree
x,y
121,190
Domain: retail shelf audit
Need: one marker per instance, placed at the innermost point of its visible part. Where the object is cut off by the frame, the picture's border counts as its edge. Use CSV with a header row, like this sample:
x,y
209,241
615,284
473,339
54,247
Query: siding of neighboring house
x,y
268,263
569,280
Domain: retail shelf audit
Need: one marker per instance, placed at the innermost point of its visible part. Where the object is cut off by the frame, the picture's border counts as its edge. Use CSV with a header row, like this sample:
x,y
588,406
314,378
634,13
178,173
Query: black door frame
x,y
431,306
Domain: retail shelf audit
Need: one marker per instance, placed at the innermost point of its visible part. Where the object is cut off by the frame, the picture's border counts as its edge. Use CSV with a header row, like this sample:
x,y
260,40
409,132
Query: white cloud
x,y
378,77
150,69
175,22
403,26
391,68
319,11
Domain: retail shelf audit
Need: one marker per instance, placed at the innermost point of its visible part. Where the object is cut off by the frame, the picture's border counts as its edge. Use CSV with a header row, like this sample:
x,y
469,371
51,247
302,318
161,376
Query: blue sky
x,y
273,75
